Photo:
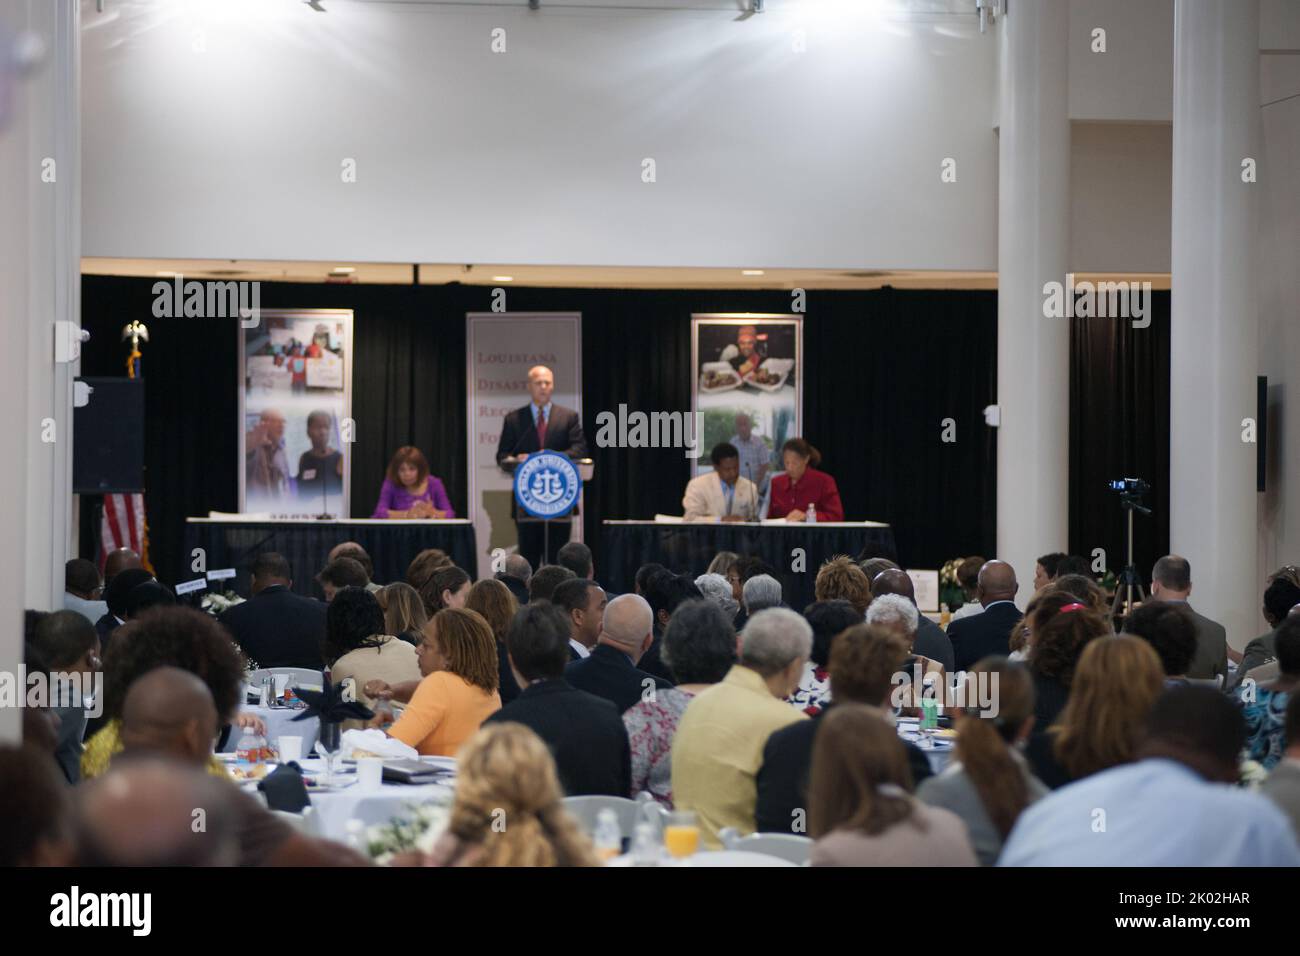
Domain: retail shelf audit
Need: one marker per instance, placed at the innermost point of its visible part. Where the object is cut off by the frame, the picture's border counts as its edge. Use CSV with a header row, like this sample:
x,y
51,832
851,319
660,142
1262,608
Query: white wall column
x,y
1033,242
1212,520
40,259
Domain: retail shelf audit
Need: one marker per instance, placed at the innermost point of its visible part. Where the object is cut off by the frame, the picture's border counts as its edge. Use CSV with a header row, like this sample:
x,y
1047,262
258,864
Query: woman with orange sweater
x,y
458,658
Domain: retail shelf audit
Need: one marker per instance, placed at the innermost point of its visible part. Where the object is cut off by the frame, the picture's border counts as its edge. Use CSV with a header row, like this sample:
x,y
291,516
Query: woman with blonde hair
x,y
458,691
404,614
1115,685
493,600
507,810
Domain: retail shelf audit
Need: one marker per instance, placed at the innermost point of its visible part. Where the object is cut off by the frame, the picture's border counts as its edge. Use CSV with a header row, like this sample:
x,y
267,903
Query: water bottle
x,y
250,751
645,845
929,713
811,515
608,836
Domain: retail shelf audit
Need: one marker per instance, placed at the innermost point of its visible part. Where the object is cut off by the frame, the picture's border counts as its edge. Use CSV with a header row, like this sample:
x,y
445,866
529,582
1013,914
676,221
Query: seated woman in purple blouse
x,y
410,491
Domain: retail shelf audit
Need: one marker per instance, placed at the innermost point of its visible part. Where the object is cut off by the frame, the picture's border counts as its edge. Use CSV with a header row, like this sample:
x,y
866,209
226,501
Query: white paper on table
x,y
926,585
376,742
669,519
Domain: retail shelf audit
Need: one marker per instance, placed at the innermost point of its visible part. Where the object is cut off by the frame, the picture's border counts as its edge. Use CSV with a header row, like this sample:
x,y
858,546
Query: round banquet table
x,y
279,723
938,750
714,858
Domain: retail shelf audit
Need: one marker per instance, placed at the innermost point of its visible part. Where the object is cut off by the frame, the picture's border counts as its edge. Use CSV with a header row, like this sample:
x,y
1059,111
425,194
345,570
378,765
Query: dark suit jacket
x,y
933,643
105,627
609,673
1211,657
563,433
278,628
652,661
585,734
980,635
508,688
1259,651
783,777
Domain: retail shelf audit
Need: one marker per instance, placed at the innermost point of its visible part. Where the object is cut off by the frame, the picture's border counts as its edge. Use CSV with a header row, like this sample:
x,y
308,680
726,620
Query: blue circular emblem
x,y
547,484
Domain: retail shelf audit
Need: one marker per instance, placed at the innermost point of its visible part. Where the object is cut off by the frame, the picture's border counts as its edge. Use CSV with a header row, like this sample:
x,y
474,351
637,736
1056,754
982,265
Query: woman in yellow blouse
x,y
458,658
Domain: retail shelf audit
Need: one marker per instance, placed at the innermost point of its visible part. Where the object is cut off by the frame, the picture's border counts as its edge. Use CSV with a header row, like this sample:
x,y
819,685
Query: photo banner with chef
x,y
501,348
295,411
748,386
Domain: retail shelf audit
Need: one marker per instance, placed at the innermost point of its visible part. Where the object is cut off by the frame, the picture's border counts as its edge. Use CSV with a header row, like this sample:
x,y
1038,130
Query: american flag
x,y
123,526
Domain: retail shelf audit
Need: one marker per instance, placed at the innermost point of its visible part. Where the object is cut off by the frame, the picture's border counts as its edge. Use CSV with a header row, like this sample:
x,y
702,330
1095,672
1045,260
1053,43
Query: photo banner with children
x,y
295,410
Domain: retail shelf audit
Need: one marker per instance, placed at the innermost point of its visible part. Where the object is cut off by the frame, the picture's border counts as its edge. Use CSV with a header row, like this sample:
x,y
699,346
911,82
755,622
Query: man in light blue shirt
x,y
1176,806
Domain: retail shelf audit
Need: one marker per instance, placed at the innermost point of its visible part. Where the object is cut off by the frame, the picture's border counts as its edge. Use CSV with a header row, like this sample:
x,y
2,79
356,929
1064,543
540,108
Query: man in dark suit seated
x,y
863,662
980,635
584,733
540,426
1171,581
931,641
515,575
1281,599
277,628
583,602
610,670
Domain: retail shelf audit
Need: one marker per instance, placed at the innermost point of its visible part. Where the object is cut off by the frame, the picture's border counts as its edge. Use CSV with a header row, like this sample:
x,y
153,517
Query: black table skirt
x,y
306,546
689,548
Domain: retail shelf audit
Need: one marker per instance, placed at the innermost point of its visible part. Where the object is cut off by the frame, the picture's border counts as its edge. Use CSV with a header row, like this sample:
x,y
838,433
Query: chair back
x,y
586,809
786,846
303,677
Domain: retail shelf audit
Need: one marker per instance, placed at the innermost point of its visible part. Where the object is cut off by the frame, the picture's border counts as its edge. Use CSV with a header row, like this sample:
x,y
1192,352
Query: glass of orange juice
x,y
682,834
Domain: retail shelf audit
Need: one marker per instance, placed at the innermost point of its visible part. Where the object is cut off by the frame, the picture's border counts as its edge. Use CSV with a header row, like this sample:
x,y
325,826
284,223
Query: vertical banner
x,y
295,413
502,347
748,370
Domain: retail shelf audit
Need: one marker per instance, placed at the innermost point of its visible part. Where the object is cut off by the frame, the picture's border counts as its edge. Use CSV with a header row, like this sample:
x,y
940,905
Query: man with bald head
x,y
169,713
988,633
541,425
610,671
266,467
931,641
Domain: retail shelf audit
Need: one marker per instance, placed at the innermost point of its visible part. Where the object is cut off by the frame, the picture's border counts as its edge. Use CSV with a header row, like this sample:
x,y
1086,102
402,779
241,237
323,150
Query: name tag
x,y
309,474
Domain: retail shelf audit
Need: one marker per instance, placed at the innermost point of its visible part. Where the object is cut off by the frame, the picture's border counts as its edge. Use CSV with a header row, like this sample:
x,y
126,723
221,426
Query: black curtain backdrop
x,y
883,369
1119,428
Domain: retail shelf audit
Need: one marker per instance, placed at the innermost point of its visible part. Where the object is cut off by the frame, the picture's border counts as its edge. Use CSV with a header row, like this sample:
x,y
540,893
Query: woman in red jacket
x,y
802,485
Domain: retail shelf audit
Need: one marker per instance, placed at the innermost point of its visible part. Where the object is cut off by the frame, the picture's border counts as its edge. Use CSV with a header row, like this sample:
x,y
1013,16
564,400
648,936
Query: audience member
x,y
1045,569
115,595
458,691
718,748
624,634
1085,589
840,578
760,593
494,601
70,645
1069,566
447,587
873,566
717,589
173,636
83,589
404,613
968,577
1170,631
987,634
545,580
699,646
340,573
35,810
424,564
1264,704
989,784
1058,631
506,773
584,732
584,602
666,592
358,648
859,810
864,662
146,595
1283,784
827,619
931,641
1168,808
1171,580
275,627
576,556
350,549
1281,595
643,576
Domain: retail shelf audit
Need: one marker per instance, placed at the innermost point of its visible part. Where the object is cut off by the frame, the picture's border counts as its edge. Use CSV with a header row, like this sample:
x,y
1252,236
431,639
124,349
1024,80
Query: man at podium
x,y
540,425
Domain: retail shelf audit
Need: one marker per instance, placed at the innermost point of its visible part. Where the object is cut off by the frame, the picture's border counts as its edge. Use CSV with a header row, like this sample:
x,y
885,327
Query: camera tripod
x,y
1128,579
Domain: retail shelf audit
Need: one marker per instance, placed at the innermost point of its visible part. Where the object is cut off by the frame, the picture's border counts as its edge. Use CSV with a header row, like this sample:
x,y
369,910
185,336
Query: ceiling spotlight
x,y
344,270
503,278
751,272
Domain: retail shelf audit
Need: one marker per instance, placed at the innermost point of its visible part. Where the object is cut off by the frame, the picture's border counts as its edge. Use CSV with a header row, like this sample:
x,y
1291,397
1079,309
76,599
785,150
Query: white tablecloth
x,y
714,858
938,750
279,723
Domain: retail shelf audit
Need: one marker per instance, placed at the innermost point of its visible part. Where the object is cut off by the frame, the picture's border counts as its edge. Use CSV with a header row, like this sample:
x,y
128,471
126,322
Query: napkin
x,y
284,789
376,742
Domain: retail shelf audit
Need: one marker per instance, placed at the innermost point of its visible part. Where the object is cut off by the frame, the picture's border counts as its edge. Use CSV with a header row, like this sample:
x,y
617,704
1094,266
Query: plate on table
x,y
771,375
718,377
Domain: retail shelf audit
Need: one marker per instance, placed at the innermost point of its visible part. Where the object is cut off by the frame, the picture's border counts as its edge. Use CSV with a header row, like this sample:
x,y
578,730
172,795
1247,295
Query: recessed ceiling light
x,y
165,273
344,270
751,272
503,278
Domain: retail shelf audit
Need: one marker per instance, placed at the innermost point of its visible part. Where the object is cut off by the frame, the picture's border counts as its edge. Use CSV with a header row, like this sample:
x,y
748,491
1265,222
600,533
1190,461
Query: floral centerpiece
x,y
214,603
950,590
418,829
